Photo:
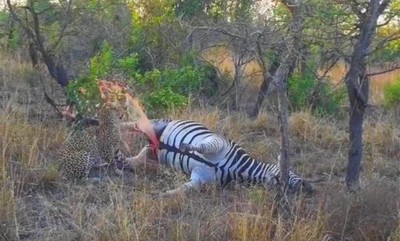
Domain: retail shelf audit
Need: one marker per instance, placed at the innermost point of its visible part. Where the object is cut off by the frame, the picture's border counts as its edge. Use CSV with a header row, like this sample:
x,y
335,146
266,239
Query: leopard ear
x,y
119,155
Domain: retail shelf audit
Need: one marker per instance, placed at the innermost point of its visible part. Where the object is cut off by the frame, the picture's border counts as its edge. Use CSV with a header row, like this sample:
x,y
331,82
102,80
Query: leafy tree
x,y
161,89
318,95
156,33
357,83
31,25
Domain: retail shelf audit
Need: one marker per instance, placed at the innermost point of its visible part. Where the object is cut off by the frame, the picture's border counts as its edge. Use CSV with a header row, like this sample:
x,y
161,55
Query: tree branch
x,y
383,72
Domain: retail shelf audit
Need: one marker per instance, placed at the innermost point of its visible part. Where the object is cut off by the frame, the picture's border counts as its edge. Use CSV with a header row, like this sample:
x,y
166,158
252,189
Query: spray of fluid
x,y
113,92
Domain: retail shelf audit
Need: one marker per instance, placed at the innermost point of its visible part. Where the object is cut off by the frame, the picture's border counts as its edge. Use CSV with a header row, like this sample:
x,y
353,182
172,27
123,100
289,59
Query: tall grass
x,y
20,145
31,195
37,204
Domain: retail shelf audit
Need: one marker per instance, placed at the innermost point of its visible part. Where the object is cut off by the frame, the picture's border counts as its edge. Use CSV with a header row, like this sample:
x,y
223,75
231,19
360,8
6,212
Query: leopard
x,y
93,146
79,153
109,133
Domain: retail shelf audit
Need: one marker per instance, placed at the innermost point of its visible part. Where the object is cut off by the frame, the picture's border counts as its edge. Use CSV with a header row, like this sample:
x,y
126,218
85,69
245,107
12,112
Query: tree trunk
x,y
54,66
262,94
304,64
56,71
281,81
358,88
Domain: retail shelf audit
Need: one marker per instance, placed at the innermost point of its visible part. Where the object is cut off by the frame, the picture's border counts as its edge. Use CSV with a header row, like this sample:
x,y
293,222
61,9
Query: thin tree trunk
x,y
55,68
281,81
262,94
356,142
357,112
358,88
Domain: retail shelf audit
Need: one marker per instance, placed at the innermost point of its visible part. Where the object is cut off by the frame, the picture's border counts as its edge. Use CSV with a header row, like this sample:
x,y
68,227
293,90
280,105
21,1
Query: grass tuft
x,y
36,204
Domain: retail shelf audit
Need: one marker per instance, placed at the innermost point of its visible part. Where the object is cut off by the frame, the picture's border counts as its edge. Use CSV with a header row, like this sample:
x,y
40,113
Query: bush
x,y
85,91
161,90
170,88
319,96
392,94
165,99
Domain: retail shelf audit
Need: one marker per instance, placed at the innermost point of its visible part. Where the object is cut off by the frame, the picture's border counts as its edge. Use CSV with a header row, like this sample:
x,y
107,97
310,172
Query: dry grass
x,y
36,204
309,128
24,166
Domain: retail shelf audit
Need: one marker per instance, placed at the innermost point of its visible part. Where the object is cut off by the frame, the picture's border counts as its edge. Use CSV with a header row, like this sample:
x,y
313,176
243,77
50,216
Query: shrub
x,y
85,91
101,65
170,88
10,36
319,96
392,94
161,89
164,99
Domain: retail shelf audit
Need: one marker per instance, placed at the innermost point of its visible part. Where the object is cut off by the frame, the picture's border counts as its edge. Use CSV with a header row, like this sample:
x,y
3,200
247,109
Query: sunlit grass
x,y
114,211
36,204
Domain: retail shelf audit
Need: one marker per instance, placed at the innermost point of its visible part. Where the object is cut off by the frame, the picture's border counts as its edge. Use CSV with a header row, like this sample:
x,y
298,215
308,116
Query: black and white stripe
x,y
188,145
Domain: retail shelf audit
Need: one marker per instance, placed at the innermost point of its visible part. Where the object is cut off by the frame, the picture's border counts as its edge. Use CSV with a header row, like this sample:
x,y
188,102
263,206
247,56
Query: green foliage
x,y
321,97
101,65
242,10
85,91
152,22
189,8
129,65
390,51
4,16
14,40
160,89
9,35
165,100
392,95
41,5
170,88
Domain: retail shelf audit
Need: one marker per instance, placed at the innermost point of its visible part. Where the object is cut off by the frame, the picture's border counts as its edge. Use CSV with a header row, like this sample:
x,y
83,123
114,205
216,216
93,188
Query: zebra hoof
x,y
165,195
120,164
120,172
303,187
120,167
185,147
308,187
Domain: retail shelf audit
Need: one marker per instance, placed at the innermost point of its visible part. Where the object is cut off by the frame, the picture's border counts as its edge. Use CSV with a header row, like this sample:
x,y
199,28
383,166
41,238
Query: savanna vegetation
x,y
315,81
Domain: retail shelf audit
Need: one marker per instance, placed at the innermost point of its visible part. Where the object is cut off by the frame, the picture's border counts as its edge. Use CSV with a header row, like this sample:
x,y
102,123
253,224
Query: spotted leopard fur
x,y
93,146
109,134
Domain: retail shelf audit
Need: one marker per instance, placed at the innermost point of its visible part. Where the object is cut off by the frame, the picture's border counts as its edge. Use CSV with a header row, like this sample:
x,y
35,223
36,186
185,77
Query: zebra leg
x,y
297,183
210,145
131,163
199,177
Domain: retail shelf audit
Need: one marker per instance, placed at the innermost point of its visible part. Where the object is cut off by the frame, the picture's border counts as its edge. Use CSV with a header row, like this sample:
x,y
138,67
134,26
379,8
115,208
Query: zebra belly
x,y
178,161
